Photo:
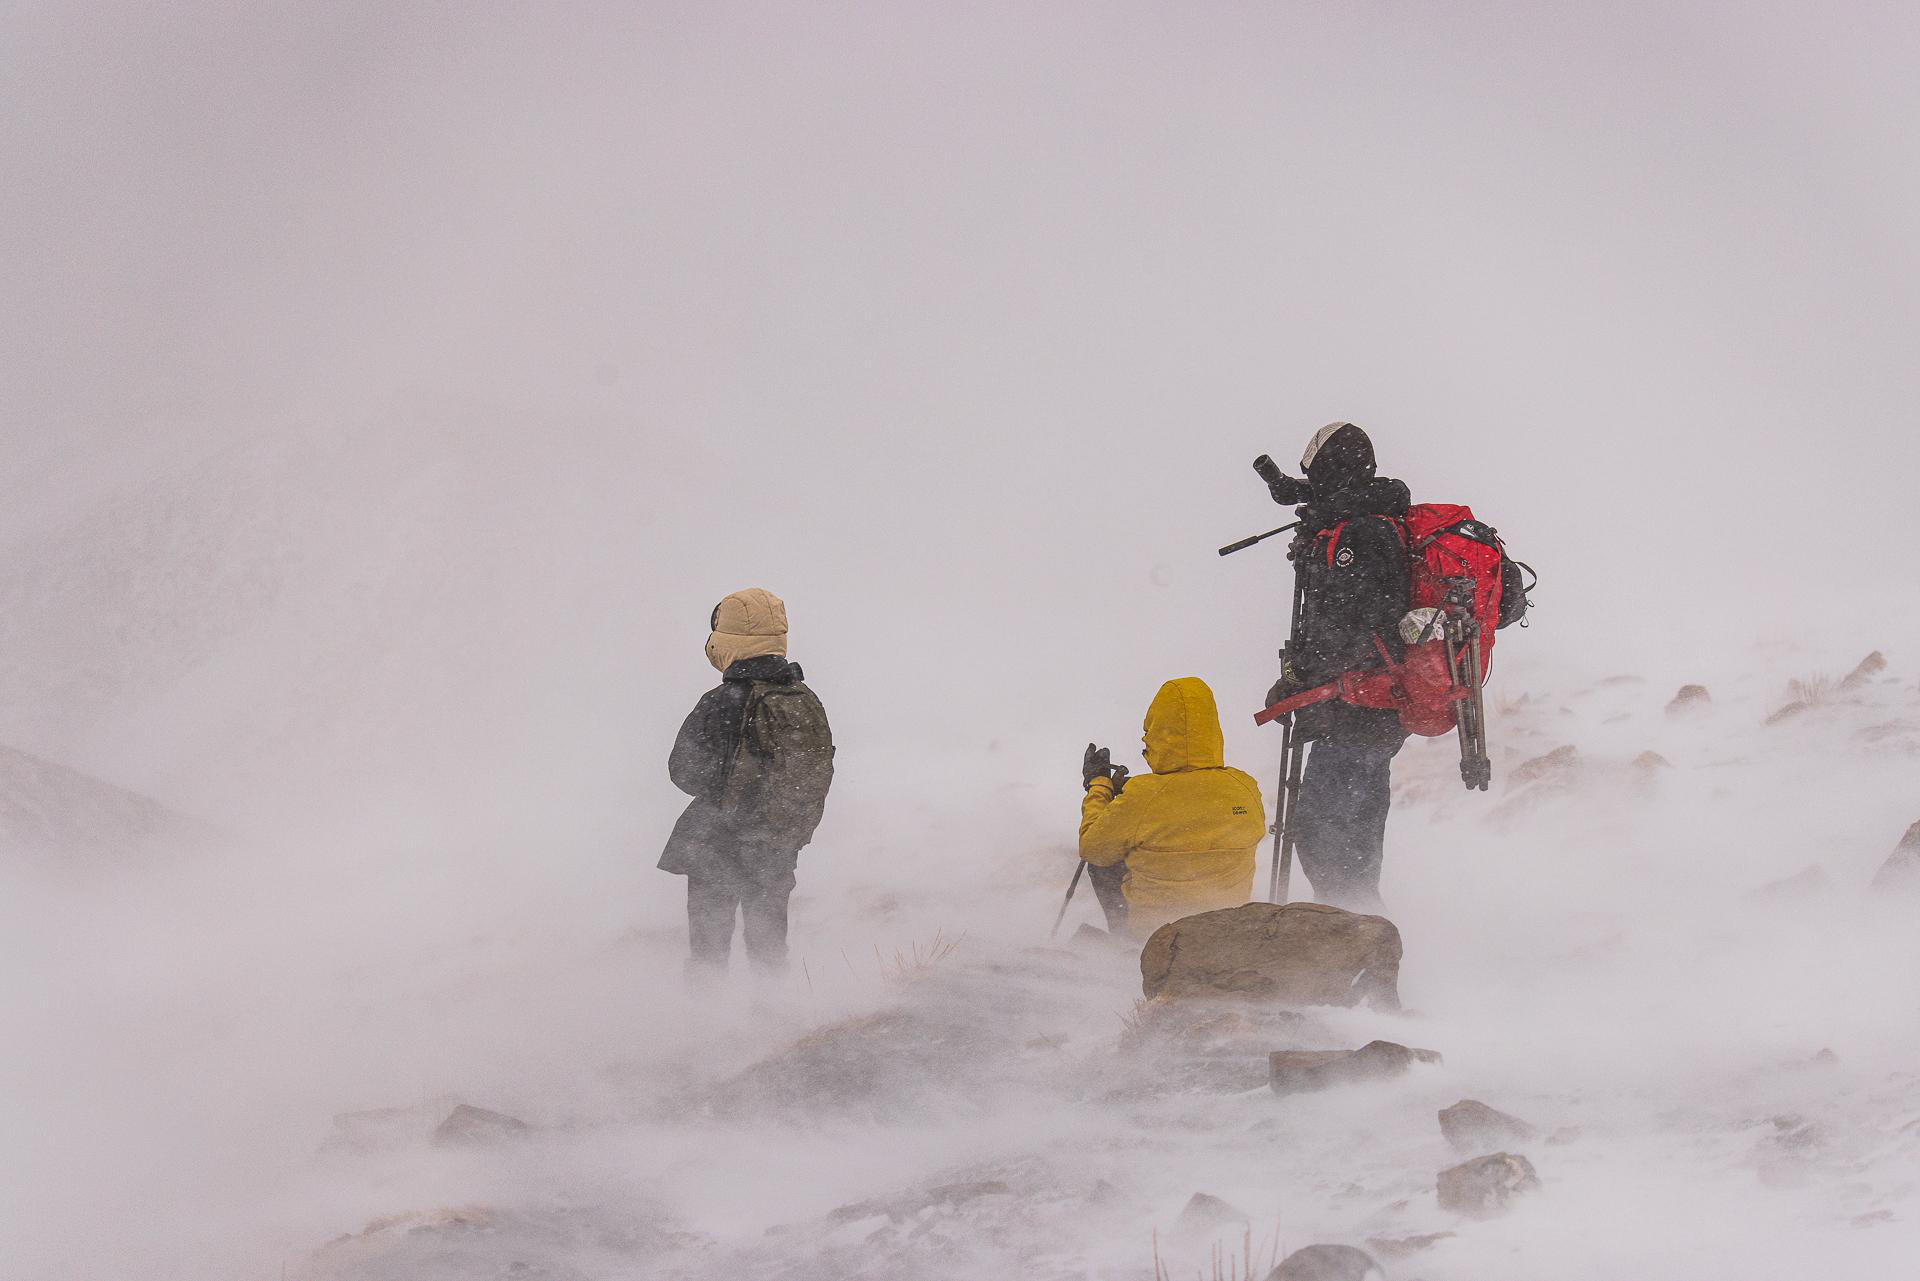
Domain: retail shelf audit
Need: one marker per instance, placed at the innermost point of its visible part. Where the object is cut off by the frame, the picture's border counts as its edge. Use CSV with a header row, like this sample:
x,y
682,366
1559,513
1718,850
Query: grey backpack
x,y
777,783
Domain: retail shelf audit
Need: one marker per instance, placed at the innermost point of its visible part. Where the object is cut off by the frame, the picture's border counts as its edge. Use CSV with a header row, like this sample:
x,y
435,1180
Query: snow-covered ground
x,y
1584,945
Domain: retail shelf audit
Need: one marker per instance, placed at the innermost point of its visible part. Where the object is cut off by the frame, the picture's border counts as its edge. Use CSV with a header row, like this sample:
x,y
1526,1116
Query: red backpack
x,y
1445,547
1454,564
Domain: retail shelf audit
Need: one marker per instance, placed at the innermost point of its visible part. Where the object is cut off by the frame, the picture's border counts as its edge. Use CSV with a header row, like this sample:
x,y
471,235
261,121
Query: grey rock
x,y
1558,766
958,1193
1901,871
1691,698
900,1208
1402,1247
1483,1187
469,1126
1327,1263
1474,1129
1786,1157
1808,882
387,1129
1869,667
1206,1214
1305,1071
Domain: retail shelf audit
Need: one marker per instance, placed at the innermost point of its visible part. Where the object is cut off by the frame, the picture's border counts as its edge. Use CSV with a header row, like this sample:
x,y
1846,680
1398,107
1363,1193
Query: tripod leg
x,y
1280,814
1292,750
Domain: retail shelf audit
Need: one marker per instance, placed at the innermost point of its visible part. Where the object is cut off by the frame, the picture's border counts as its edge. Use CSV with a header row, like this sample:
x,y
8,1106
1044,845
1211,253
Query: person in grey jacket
x,y
756,756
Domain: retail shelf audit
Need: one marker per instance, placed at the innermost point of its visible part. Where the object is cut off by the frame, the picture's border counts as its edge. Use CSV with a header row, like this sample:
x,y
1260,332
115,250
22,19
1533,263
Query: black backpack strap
x,y
747,705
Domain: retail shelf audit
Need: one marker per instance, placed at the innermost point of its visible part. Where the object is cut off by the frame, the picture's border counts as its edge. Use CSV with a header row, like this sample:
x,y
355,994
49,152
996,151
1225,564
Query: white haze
x,y
391,390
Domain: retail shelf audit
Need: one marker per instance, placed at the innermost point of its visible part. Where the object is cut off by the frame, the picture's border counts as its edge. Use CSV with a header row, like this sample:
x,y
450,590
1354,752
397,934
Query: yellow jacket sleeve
x,y
1107,829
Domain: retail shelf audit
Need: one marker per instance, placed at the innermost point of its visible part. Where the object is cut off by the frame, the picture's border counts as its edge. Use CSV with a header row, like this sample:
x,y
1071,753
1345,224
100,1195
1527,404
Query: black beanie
x,y
1338,457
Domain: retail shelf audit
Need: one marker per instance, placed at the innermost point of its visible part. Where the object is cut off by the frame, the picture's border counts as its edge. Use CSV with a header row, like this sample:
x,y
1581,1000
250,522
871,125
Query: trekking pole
x,y
1072,885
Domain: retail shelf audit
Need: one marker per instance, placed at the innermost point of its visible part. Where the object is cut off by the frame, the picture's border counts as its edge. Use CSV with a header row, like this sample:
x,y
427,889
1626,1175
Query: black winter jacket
x,y
706,840
1365,589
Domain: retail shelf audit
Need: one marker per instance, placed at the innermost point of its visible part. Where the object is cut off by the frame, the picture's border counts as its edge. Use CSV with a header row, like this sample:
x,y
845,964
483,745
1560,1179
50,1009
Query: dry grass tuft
x,y
1812,691
1227,1266
916,960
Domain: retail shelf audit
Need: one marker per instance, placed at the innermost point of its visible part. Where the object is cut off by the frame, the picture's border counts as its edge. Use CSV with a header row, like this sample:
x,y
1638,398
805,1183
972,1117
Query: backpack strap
x,y
1395,523
1332,535
747,705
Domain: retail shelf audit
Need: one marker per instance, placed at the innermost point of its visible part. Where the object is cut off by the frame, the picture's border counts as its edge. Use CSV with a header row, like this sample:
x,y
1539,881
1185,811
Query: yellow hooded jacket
x,y
1187,832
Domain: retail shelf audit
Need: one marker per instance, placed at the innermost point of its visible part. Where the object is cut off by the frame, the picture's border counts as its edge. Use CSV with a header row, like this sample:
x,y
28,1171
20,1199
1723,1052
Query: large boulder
x,y
1288,954
1304,1071
1482,1187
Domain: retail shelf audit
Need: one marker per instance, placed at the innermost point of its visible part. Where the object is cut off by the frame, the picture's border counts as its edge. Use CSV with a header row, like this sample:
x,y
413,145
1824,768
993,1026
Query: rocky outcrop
x,y
1483,1187
55,816
1473,1128
1291,954
1327,1263
1691,698
1901,871
1304,1071
882,1064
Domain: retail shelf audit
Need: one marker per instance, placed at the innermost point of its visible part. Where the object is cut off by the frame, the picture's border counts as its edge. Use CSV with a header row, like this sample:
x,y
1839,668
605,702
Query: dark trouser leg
x,y
764,909
711,905
1106,882
1344,797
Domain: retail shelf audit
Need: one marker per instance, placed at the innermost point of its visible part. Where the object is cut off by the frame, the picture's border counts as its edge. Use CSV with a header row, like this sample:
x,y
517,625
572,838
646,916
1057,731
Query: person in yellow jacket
x,y
1186,834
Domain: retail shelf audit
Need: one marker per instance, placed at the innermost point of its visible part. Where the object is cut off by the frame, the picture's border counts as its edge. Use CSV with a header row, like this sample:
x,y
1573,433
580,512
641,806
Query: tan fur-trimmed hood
x,y
747,624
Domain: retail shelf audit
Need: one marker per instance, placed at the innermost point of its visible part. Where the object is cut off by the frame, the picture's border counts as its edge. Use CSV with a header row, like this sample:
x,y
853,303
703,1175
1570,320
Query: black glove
x,y
1287,686
1098,763
1120,775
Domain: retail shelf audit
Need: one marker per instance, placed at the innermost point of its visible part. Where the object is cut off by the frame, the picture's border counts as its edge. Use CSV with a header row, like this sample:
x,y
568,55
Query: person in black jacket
x,y
756,755
1351,566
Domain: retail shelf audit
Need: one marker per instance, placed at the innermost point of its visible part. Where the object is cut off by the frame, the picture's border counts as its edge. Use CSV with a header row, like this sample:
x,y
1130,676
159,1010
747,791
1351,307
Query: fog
x,y
391,391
